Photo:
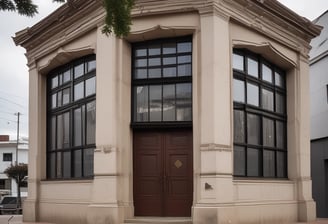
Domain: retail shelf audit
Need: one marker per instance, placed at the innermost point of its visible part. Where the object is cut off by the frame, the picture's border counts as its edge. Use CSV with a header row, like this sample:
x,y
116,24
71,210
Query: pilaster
x,y
104,202
216,188
307,209
36,165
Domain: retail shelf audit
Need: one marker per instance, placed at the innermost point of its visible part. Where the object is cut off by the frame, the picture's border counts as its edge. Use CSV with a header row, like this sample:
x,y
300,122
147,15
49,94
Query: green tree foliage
x,y
118,17
17,172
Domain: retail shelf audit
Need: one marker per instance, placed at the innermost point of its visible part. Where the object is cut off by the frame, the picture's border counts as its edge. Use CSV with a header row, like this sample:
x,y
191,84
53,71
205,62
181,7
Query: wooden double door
x,y
163,173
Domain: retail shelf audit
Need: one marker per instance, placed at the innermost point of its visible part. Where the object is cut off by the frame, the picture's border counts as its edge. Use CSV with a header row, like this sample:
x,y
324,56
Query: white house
x,y
8,157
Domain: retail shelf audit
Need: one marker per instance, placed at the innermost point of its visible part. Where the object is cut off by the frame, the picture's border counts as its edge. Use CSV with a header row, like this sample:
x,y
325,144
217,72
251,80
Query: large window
x,y
260,142
162,90
71,119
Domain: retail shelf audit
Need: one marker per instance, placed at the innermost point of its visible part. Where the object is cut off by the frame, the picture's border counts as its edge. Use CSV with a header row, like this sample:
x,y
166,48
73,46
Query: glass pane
x,y
155,73
279,80
281,135
269,164
252,67
183,102
154,49
67,164
238,91
78,70
77,163
141,101
141,63
252,94
184,70
54,101
184,47
83,124
66,96
91,123
239,161
90,86
88,162
281,164
169,103
268,132
238,62
59,165
266,73
67,76
239,126
141,52
169,61
253,129
184,59
170,72
59,99
60,79
280,103
154,61
77,127
169,48
267,99
54,82
79,91
155,103
91,65
140,73
66,139
253,162
52,165
60,131
53,133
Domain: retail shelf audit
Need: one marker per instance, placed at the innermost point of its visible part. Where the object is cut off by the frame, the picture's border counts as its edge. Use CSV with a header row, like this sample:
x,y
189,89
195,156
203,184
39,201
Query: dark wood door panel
x,y
163,171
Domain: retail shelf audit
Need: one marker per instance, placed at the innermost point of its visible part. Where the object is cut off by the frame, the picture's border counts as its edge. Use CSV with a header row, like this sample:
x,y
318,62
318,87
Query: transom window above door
x,y
161,81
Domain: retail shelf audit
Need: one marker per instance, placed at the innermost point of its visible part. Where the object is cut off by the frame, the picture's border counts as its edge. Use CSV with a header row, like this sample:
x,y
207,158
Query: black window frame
x,y
7,157
262,113
70,107
148,81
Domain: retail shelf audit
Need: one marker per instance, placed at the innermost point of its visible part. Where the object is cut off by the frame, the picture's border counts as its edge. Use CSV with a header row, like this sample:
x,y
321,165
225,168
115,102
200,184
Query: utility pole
x,y
17,114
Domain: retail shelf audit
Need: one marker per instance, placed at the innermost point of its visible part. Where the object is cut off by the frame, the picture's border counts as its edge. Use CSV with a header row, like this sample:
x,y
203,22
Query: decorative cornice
x,y
266,16
57,21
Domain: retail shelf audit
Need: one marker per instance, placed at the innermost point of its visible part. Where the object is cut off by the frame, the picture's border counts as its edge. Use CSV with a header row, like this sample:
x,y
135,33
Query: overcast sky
x,y
14,72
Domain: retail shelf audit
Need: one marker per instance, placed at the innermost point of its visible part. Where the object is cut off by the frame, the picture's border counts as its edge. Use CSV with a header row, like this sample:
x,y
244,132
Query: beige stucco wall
x,y
108,198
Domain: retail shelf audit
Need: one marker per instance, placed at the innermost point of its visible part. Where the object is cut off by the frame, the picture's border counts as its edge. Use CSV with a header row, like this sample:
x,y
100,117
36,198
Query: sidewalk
x,y
17,219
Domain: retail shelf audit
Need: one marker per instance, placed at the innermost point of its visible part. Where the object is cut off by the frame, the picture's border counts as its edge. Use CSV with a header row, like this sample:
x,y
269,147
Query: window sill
x,y
67,181
244,180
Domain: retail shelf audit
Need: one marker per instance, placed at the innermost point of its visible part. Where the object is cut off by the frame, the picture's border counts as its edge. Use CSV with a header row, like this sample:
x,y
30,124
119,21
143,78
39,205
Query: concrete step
x,y
159,220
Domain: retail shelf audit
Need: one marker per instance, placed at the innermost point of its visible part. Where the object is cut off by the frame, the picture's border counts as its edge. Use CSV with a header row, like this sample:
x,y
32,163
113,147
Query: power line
x,y
6,119
4,112
10,101
11,94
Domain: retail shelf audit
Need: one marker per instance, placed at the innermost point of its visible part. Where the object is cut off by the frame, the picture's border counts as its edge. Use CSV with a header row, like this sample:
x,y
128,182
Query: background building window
x,y
72,119
327,93
8,157
260,119
162,89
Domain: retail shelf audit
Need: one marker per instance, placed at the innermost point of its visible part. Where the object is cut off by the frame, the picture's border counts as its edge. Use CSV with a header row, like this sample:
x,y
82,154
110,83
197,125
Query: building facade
x,y
319,116
202,111
7,158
